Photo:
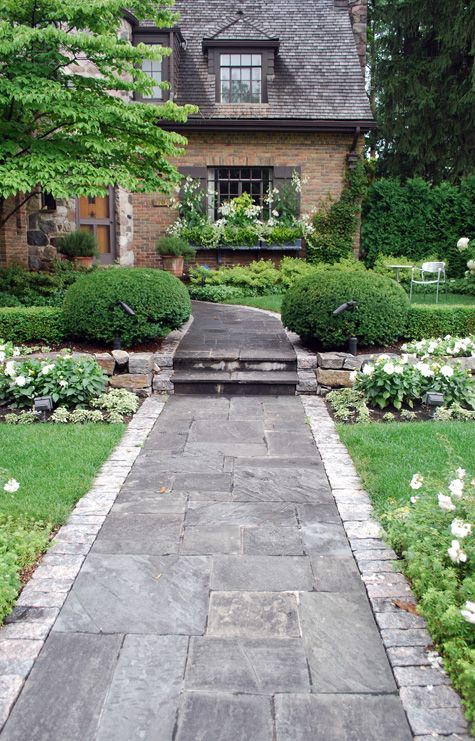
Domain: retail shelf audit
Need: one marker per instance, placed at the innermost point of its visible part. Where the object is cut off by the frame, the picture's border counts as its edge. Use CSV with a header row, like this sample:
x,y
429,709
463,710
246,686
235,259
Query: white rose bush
x,y
396,382
435,536
448,346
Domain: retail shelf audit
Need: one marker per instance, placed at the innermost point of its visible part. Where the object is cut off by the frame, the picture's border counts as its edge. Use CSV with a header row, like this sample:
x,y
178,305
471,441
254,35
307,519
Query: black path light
x,y
352,343
128,311
43,404
433,399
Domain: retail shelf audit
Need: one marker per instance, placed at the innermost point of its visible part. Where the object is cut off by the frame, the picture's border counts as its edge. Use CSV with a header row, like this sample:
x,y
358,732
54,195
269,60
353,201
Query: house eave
x,y
240,43
343,126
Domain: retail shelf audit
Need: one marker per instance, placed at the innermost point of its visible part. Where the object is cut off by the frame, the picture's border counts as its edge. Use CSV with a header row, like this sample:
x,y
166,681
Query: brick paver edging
x,y
433,708
38,606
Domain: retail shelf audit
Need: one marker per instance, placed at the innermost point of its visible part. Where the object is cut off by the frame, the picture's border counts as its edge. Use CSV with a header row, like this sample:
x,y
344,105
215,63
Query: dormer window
x,y
240,78
157,69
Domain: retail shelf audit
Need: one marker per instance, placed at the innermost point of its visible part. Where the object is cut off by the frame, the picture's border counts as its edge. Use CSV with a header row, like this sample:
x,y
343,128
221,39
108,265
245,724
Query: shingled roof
x,y
317,70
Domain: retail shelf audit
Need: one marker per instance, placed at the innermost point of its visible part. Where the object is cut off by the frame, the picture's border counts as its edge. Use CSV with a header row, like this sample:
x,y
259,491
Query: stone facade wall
x,y
359,21
321,158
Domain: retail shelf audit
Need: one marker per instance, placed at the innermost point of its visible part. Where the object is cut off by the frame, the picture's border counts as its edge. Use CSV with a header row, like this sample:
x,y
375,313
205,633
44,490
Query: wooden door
x,y
96,214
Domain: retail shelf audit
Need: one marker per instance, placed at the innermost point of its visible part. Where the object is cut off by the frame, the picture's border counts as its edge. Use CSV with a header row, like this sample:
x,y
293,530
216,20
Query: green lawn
x,y
271,301
55,466
387,455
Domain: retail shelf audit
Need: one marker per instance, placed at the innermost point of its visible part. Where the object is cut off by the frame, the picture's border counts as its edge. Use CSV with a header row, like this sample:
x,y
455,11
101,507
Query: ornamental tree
x,y
68,122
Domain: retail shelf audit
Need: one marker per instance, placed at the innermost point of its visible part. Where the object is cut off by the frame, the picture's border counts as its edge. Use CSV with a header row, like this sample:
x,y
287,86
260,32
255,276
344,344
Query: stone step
x,y
233,365
236,382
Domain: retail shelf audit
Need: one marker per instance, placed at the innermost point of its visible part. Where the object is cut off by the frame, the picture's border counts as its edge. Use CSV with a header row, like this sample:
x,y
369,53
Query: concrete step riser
x,y
236,389
264,366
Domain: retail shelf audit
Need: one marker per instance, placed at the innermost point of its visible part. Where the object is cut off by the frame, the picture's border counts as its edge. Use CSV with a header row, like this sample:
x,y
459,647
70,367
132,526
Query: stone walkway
x,y
220,600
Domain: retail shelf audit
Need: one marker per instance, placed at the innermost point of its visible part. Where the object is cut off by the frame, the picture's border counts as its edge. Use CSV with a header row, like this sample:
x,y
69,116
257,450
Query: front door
x,y
96,214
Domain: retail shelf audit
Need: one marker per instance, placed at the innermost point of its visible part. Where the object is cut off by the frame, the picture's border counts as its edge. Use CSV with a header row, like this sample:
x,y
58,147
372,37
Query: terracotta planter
x,y
83,262
173,264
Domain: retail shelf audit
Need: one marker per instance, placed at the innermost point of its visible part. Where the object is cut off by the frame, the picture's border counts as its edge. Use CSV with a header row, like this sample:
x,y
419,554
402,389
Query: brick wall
x,y
13,244
321,158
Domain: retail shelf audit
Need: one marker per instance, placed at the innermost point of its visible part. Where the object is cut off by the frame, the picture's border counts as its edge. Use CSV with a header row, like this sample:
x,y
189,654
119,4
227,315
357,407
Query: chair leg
x,y
410,293
437,293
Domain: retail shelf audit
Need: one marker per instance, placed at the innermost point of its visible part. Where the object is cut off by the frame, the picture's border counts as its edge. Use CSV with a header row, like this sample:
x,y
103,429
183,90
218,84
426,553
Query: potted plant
x,y
173,250
80,247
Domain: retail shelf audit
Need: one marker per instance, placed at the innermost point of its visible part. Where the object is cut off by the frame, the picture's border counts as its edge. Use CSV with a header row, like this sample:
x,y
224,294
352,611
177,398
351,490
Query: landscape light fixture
x,y
128,311
43,404
352,343
433,399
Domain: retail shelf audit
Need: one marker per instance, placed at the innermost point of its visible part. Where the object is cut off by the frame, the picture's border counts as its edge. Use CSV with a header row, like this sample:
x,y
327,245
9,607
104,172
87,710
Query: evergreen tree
x,y
67,122
422,72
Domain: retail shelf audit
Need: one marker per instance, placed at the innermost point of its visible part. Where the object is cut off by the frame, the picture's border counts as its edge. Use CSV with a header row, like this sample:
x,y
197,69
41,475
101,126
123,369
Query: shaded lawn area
x,y
387,455
55,466
452,299
271,301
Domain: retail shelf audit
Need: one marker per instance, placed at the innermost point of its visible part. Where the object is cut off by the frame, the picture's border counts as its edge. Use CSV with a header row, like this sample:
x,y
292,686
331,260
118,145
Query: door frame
x,y
110,222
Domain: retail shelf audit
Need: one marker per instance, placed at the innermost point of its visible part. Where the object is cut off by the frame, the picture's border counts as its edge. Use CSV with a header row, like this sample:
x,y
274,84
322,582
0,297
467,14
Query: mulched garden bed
x,y
421,411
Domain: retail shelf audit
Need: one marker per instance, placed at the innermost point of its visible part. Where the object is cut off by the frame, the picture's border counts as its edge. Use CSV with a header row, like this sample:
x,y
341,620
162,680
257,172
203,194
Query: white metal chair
x,y
429,269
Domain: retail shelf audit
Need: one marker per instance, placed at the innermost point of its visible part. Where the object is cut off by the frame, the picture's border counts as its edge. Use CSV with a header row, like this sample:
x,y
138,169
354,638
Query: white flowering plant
x,y
435,535
68,380
448,346
8,484
240,220
396,382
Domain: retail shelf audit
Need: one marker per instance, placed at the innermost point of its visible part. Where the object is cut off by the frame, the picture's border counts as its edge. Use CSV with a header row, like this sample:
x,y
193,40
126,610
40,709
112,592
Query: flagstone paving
x,y
220,600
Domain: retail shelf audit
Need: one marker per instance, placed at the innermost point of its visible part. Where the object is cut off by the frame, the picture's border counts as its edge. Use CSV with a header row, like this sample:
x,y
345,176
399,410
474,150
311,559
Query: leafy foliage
x,y
380,318
255,279
216,294
68,380
38,288
348,405
92,311
416,219
24,324
77,244
422,61
176,246
334,223
117,400
67,121
438,321
456,347
395,382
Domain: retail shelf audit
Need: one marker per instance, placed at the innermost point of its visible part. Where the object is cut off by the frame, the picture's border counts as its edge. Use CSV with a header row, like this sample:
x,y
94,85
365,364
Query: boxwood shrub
x,y
438,321
381,316
92,311
31,323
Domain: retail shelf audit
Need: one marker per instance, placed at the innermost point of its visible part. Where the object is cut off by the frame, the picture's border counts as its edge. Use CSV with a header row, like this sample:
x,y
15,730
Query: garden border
x,y
433,708
28,625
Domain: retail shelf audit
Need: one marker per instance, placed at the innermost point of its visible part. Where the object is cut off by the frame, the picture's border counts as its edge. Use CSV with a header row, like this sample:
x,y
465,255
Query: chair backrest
x,y
433,267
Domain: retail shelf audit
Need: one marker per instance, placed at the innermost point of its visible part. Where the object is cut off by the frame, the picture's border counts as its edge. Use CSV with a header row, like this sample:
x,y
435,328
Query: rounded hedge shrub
x,y
380,319
92,310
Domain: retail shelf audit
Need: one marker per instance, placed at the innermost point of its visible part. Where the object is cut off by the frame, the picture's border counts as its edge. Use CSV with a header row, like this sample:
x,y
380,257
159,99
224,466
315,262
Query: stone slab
x,y
290,442
66,689
281,484
237,513
340,718
336,574
261,573
324,538
138,594
253,666
149,534
208,539
253,615
145,689
343,644
224,716
139,502
272,540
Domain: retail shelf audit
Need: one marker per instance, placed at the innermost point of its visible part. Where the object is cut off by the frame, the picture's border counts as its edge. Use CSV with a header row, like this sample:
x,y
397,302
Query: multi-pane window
x,y
241,78
226,183
153,67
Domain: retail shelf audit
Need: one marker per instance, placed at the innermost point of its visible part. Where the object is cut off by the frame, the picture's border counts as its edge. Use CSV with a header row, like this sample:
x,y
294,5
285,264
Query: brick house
x,y
280,88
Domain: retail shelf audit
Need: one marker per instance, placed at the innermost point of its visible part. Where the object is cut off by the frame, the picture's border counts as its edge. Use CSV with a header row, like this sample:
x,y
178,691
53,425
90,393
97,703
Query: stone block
x,y
106,361
253,615
141,362
334,378
224,716
132,381
332,360
121,357
163,360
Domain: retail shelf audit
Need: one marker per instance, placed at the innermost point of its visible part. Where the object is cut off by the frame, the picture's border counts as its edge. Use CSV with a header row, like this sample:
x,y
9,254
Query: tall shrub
x,y
416,219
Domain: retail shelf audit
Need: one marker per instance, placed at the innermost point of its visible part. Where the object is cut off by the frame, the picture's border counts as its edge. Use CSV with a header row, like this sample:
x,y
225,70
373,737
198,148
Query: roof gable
x,y
241,29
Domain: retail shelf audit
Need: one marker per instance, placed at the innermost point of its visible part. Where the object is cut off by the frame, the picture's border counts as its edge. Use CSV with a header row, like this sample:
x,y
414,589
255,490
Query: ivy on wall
x,y
335,222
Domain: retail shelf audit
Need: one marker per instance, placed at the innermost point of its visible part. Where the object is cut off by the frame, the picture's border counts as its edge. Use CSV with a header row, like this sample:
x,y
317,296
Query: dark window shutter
x,y
283,176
